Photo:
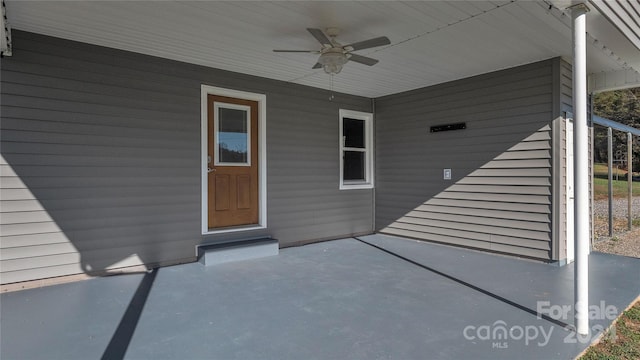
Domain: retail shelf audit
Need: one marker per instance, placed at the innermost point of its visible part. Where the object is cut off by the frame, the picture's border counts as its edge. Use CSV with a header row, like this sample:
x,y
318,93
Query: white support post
x,y
581,179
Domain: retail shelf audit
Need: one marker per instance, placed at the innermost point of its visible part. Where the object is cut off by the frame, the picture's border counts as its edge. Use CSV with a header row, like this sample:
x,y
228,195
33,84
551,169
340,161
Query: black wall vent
x,y
456,126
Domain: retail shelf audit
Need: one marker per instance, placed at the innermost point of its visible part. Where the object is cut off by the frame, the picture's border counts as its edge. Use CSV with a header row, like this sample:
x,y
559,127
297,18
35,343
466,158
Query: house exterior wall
x,y
101,160
500,194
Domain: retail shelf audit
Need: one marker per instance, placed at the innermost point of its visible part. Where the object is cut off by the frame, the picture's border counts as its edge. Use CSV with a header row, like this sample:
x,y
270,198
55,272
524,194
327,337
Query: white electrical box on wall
x,y
447,174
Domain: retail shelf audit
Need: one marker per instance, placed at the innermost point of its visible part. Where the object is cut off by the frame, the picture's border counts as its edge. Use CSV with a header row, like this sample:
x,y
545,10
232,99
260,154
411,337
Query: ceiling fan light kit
x,y
332,61
333,55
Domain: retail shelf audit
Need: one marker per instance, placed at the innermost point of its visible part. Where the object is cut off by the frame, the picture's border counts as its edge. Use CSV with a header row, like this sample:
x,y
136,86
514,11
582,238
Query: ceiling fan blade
x,y
298,51
360,45
320,36
317,66
362,59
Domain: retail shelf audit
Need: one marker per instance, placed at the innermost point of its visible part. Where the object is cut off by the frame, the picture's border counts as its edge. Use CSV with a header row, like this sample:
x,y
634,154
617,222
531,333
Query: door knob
x,y
210,170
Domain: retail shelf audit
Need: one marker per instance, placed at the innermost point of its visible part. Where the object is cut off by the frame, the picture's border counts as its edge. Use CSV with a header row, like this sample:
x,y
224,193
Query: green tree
x,y
622,106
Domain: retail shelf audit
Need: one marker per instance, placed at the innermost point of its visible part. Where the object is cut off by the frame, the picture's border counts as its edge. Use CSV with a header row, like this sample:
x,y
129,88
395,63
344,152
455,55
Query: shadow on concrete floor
x,y
341,299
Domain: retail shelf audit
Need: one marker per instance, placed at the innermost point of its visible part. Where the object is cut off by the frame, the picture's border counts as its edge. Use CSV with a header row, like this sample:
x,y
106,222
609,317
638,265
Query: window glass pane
x,y
354,165
233,136
353,132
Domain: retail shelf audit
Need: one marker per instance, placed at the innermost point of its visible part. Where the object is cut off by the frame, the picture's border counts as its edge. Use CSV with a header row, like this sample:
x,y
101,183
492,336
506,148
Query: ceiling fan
x,y
334,55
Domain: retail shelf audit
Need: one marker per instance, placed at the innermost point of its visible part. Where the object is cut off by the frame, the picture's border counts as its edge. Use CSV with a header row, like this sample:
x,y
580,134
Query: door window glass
x,y
232,135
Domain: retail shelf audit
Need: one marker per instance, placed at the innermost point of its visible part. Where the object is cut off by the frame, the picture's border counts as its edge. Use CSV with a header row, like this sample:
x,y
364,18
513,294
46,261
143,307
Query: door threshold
x,y
229,229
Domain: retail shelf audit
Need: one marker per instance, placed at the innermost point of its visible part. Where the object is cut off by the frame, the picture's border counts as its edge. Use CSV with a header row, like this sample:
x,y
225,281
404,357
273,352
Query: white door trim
x,y
206,90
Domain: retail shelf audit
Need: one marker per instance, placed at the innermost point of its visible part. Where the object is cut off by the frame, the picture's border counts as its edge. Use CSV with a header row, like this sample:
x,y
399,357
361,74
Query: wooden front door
x,y
232,162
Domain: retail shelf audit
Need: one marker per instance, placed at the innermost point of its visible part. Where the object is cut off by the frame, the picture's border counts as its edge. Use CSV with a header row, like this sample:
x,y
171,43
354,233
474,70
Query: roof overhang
x,y
614,30
618,28
431,41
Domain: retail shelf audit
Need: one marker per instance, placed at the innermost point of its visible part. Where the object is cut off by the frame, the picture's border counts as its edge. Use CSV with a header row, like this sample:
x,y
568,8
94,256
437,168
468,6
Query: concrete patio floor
x,y
379,297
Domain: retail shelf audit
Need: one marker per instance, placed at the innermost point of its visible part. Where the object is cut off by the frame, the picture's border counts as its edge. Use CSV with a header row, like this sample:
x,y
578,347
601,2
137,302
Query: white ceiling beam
x,y
613,80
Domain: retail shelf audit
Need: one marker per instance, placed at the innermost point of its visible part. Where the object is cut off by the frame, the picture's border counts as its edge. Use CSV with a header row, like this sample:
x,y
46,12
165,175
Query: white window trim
x,y
369,161
216,142
206,90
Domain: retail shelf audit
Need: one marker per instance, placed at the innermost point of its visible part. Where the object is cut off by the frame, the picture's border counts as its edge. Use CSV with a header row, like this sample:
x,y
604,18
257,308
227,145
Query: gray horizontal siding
x,y
101,160
500,196
562,107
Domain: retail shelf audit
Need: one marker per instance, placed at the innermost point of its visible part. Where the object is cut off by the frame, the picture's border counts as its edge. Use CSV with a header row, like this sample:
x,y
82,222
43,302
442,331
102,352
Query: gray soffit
x,y
431,41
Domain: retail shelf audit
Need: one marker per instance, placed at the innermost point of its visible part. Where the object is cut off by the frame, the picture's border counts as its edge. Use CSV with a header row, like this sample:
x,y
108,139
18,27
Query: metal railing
x,y
631,131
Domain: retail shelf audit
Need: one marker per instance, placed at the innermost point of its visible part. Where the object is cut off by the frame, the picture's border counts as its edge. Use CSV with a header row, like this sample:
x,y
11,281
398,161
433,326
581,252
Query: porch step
x,y
236,251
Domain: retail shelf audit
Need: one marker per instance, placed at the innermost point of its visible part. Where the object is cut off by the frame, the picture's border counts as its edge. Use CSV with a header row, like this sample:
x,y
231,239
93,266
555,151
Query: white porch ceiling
x,y
431,41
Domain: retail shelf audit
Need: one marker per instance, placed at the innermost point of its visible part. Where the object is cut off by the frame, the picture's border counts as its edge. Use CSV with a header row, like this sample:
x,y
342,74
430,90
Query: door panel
x,y
233,162
244,191
222,192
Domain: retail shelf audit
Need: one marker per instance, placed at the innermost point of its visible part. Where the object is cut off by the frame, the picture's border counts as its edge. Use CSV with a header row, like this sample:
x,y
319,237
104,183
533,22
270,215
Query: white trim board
x,y
206,90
